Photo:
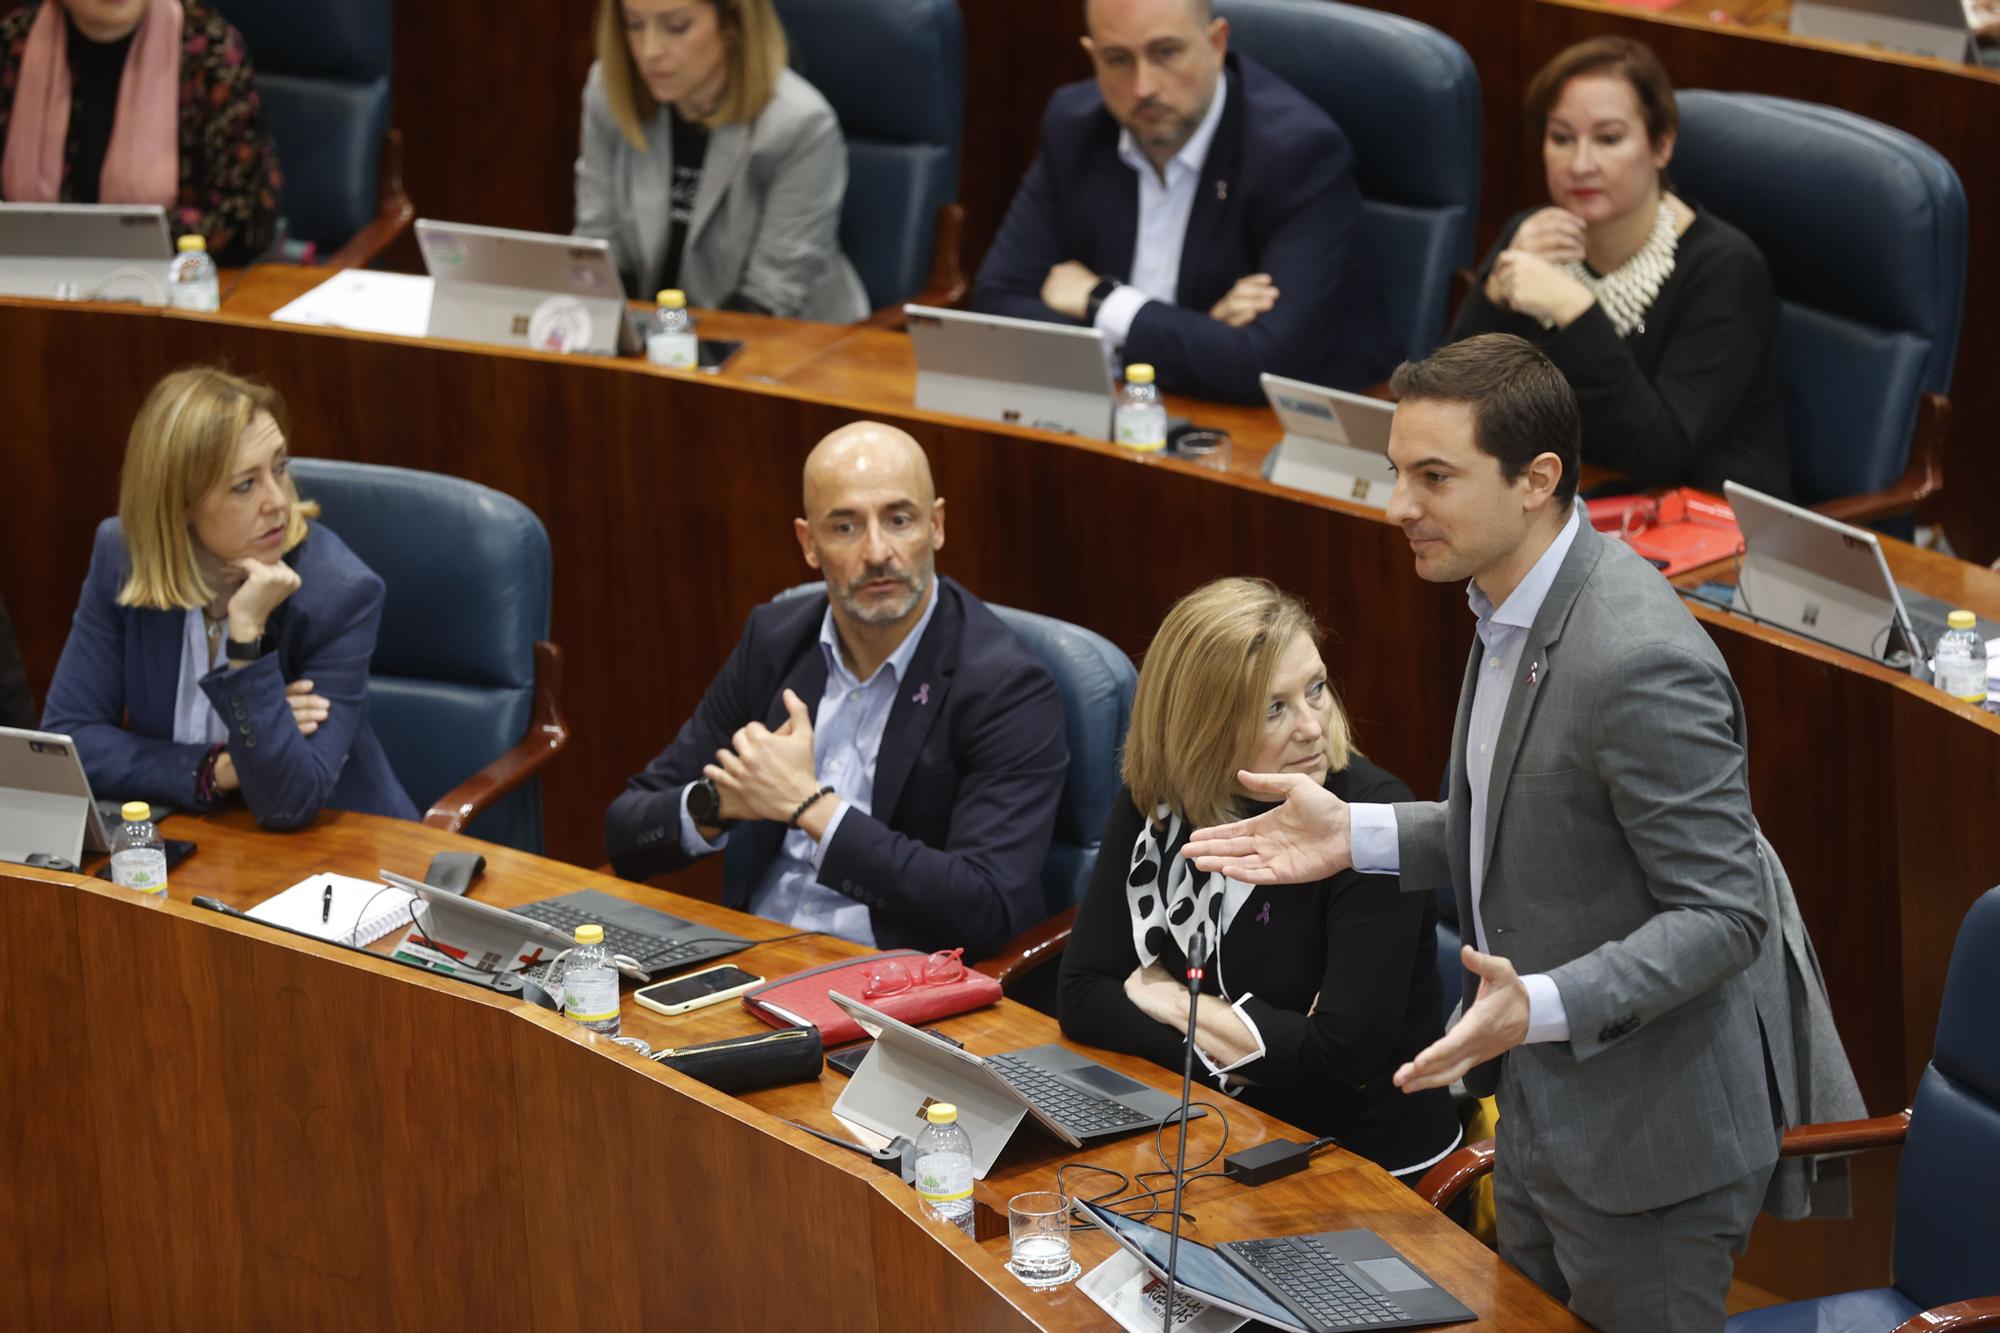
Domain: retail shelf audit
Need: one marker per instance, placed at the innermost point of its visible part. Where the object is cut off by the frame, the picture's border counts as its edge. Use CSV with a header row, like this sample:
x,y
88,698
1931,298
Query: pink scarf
x,y
142,162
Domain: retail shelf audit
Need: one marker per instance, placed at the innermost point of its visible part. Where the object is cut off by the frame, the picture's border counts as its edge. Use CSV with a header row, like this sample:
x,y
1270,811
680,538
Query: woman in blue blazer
x,y
222,642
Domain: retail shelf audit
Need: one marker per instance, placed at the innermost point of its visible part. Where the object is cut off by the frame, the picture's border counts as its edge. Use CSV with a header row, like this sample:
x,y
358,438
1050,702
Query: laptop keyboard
x,y
1310,1279
651,952
1078,1112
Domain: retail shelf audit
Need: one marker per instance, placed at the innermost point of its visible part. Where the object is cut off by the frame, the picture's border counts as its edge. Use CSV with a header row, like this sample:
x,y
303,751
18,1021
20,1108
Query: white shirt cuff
x,y
1116,312
1373,839
1255,1035
692,842
826,838
1547,1019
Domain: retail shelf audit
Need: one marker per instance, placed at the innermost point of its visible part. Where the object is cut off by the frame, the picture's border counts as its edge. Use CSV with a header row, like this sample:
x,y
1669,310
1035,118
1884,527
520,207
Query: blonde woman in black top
x,y
1661,316
1313,994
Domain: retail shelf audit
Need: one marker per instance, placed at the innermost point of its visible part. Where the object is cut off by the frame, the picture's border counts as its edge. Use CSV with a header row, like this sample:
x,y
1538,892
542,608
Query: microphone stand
x,y
1197,958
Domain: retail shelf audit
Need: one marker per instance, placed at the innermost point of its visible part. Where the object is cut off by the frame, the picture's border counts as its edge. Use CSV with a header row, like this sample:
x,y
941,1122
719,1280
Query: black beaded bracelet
x,y
806,805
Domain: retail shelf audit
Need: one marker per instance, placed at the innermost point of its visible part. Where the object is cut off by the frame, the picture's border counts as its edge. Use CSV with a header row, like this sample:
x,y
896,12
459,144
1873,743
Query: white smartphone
x,y
711,985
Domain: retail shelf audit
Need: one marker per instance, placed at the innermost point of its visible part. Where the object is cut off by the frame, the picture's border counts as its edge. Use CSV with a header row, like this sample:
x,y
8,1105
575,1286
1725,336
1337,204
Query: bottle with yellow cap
x,y
1959,664
1140,423
191,282
944,1167
590,982
138,856
672,341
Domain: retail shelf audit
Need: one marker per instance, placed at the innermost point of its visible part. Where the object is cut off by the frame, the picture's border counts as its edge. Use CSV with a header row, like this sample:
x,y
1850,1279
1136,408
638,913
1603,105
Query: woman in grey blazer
x,y
710,166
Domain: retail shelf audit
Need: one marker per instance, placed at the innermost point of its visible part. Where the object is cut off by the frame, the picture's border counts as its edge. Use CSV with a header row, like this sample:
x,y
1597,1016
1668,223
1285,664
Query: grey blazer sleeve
x,y
802,161
597,207
1666,745
1422,860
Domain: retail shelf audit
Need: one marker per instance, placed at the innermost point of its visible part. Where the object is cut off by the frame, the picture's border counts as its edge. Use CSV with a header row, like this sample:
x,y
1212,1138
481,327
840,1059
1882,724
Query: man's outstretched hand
x,y
1303,840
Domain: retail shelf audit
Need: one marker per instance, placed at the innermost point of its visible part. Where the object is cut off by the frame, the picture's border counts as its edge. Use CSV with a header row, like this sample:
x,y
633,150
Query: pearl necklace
x,y
1628,291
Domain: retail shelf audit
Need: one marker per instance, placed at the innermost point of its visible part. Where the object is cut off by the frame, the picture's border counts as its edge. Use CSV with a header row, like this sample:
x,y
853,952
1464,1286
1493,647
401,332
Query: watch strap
x,y
238,651
1098,296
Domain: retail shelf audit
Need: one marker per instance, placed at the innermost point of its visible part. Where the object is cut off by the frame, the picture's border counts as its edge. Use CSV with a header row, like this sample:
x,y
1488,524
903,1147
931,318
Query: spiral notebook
x,y
361,910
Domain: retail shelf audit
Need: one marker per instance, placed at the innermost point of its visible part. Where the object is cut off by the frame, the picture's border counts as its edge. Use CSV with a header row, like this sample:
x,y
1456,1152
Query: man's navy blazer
x,y
1277,195
966,782
122,664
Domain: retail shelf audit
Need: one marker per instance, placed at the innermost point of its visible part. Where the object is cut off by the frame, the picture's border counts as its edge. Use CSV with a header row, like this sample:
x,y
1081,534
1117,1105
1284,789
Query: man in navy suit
x,y
882,759
1197,209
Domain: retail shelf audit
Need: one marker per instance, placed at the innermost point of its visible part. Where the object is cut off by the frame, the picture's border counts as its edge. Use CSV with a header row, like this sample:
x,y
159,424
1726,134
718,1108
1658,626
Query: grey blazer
x,y
766,224
1623,862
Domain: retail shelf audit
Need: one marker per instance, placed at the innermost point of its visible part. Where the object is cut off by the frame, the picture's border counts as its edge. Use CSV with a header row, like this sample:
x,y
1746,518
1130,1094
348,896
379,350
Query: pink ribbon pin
x,y
923,695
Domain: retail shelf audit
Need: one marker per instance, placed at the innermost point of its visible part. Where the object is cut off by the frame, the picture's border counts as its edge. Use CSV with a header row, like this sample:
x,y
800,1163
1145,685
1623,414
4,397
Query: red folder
x,y
1677,531
799,1000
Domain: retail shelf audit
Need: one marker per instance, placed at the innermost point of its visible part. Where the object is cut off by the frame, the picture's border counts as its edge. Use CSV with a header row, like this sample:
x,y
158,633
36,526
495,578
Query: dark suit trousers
x,y
1666,1270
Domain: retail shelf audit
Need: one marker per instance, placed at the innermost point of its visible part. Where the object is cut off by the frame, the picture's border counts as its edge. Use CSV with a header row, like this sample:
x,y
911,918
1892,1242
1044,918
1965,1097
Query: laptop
x,y
522,288
85,252
1935,28
1336,444
45,805
1070,1095
1306,1284
495,939
1021,372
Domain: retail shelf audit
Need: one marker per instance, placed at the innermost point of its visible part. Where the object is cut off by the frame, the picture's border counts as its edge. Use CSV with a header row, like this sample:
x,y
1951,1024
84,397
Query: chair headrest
x,y
350,40
893,70
1965,1049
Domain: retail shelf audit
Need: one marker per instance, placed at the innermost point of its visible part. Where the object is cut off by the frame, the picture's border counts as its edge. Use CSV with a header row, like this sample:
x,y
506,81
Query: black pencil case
x,y
744,1064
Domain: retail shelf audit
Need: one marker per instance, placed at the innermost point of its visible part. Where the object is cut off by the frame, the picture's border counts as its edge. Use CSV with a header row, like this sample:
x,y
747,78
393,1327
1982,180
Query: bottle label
x,y
677,350
590,995
1142,428
1963,679
944,1177
142,868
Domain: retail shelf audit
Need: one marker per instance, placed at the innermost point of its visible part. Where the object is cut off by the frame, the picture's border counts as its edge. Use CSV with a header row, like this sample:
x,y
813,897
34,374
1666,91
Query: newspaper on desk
x,y
1129,1292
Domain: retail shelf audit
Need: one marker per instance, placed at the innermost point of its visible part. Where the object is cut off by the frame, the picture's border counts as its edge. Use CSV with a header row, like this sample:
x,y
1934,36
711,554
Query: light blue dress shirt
x,y
1503,633
847,738
195,720
1164,208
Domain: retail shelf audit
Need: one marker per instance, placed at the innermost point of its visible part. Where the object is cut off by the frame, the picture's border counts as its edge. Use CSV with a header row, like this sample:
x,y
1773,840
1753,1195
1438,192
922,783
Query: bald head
x,y
866,456
1201,11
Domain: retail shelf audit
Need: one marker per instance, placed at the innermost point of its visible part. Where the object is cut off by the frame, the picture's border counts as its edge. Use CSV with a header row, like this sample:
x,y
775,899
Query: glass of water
x,y
1038,1228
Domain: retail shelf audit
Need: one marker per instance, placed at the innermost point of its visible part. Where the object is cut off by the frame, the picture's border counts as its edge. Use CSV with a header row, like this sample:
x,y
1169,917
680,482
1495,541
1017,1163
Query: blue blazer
x,y
113,693
1277,195
966,781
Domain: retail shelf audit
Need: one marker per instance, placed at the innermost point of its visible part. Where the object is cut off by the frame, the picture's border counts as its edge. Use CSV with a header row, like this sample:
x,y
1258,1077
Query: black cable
x,y
1197,956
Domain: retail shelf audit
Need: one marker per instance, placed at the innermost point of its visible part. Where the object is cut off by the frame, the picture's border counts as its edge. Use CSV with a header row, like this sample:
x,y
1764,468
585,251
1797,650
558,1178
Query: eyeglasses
x,y
893,976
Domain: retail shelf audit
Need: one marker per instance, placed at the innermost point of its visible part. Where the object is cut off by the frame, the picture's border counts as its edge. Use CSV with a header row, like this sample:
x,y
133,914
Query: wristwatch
x,y
1098,296
237,651
704,805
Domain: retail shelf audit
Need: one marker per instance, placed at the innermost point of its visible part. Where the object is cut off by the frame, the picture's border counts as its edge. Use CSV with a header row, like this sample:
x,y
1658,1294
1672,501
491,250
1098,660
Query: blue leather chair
x,y
894,72
1864,228
463,681
1407,98
1945,1264
323,73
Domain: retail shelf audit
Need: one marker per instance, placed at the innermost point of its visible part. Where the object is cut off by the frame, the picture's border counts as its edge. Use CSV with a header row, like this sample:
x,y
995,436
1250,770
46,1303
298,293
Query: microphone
x,y
1197,961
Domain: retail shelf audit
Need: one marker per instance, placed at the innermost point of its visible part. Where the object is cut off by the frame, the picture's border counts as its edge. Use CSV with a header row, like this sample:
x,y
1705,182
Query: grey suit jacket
x,y
766,224
1622,861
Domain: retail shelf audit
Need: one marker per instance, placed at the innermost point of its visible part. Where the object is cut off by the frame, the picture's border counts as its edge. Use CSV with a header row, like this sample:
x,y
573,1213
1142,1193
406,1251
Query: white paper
x,y
366,301
1127,1291
360,912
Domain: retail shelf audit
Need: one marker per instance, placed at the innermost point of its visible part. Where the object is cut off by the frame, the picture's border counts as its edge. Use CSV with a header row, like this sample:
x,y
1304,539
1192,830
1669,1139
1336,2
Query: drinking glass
x,y
1038,1230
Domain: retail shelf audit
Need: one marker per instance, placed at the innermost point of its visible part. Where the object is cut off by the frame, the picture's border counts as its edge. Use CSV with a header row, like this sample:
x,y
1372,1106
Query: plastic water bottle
x,y
1141,420
590,982
1959,665
944,1167
191,283
672,341
138,857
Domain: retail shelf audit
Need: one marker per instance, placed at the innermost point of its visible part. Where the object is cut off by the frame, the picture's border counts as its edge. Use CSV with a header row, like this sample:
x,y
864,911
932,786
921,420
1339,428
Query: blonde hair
x,y
182,445
1201,693
757,56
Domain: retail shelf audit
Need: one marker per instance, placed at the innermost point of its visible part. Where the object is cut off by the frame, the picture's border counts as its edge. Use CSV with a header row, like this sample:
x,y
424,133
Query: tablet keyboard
x,y
1076,1111
1310,1280
651,952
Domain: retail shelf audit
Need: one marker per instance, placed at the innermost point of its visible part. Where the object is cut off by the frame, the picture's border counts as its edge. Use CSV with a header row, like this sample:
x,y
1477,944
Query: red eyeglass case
x,y
799,1000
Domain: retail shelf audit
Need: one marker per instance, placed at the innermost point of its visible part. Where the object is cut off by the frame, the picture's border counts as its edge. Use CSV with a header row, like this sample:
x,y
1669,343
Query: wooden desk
x,y
208,1123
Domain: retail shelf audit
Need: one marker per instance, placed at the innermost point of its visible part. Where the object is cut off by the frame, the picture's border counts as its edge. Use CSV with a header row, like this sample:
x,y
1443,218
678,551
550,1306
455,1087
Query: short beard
x,y
917,581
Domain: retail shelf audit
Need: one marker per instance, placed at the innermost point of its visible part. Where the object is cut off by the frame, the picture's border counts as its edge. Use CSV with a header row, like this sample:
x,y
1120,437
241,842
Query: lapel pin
x,y
1264,916
1534,673
1222,189
923,695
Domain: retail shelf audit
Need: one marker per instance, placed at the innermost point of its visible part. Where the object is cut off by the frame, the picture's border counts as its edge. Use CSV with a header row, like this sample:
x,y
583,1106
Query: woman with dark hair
x,y
1662,316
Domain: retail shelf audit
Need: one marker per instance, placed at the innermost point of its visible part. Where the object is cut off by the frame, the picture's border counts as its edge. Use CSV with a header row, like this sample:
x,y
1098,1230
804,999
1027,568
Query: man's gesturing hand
x,y
1303,840
764,774
1496,1023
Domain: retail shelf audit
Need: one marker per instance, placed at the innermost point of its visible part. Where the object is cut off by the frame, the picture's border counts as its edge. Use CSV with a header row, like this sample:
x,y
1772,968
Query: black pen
x,y
326,903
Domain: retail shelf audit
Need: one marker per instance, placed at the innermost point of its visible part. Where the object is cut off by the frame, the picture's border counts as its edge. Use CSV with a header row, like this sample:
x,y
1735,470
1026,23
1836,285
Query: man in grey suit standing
x,y
1599,838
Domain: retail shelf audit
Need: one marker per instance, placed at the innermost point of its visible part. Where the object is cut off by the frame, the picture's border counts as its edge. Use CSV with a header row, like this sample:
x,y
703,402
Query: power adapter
x,y
1269,1161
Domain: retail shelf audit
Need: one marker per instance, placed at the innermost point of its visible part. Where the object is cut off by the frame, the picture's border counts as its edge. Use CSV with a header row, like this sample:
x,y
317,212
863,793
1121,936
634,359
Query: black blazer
x,y
966,782
1353,950
1277,196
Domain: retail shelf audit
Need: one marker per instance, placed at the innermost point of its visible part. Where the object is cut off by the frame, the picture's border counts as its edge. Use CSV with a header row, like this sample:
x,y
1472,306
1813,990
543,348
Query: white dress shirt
x,y
1164,206
847,739
1503,633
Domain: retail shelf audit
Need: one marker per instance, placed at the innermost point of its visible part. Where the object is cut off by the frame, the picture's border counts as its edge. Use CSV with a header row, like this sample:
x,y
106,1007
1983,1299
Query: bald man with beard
x,y
883,759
